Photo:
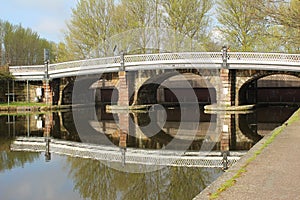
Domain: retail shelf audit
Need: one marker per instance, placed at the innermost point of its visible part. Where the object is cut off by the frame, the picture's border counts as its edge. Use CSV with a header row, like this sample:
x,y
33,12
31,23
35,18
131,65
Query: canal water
x,y
35,175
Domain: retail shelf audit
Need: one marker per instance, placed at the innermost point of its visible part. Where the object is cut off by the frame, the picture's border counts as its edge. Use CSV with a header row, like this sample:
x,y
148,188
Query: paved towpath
x,y
274,174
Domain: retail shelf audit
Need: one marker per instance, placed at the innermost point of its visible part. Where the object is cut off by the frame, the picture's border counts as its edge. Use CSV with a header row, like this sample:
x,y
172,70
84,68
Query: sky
x,y
46,17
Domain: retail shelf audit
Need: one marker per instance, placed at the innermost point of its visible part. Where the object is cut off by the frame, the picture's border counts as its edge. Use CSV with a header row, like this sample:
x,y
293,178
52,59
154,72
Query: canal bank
x,y
270,170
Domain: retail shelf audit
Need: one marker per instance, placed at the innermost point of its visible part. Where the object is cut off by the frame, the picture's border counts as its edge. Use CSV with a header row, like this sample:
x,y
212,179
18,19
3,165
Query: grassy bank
x,y
25,107
22,104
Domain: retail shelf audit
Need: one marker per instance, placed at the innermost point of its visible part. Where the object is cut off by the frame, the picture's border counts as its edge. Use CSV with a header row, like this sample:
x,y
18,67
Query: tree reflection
x,y
95,180
10,160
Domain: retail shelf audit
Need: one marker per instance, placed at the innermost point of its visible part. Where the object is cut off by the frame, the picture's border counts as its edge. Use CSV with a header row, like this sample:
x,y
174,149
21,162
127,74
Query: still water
x,y
30,175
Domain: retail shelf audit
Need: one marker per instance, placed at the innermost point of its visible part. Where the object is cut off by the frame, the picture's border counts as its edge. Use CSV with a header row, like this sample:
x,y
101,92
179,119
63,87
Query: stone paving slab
x,y
274,174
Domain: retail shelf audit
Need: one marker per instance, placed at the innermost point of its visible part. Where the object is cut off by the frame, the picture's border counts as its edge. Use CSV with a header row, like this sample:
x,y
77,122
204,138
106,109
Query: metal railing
x,y
163,60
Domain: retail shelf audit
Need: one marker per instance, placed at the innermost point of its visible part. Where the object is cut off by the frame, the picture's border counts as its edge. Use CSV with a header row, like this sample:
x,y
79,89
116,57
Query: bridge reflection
x,y
133,134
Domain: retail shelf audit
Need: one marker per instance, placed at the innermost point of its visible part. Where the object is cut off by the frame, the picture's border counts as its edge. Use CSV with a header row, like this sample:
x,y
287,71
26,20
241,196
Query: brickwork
x,y
123,129
123,89
225,91
48,124
48,98
225,122
140,87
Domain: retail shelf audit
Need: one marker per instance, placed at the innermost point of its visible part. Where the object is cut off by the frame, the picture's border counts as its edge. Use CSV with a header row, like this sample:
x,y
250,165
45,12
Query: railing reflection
x,y
153,158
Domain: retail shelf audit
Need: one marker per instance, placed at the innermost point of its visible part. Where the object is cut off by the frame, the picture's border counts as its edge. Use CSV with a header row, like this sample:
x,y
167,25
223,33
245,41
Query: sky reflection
x,y
38,180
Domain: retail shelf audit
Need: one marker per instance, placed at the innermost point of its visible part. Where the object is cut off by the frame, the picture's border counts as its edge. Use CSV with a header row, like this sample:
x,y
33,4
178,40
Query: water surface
x,y
28,175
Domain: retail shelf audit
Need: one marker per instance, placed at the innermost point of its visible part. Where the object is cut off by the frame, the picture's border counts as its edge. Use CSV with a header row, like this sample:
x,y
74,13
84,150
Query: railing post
x,y
46,61
48,98
227,91
122,56
224,56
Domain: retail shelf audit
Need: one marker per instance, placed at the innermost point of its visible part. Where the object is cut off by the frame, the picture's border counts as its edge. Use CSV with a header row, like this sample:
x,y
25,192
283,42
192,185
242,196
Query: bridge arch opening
x,y
172,88
276,88
104,90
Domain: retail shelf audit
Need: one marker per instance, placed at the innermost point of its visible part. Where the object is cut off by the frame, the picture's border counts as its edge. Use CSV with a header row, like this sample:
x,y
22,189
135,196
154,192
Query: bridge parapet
x,y
29,68
264,61
186,56
105,62
264,57
209,60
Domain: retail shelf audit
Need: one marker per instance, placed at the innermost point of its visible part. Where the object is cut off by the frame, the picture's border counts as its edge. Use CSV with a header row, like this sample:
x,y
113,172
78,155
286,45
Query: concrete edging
x,y
215,107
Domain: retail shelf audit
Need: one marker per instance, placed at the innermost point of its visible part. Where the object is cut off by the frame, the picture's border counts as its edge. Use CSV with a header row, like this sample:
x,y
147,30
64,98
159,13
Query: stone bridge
x,y
137,79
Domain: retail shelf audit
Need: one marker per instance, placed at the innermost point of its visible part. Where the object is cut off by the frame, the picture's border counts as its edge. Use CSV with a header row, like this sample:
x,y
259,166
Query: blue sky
x,y
46,17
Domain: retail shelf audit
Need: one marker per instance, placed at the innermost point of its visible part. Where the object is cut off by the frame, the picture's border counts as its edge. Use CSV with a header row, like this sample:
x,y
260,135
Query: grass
x,y
16,104
229,183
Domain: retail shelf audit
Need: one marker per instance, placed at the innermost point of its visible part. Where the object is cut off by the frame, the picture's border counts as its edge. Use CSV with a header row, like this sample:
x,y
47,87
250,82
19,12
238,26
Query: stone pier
x,y
123,89
48,98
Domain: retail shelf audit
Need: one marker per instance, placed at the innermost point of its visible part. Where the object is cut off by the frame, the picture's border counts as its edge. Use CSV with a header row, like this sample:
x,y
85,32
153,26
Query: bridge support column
x,y
123,89
225,89
47,92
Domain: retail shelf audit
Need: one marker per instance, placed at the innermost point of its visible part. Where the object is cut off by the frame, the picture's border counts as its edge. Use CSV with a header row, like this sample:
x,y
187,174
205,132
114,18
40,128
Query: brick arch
x,y
90,84
146,92
260,74
66,92
252,75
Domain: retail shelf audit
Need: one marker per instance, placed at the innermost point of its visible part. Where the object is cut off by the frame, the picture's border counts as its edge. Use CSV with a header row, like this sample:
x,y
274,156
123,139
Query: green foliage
x,y
62,53
16,104
20,46
240,24
4,74
89,28
263,26
189,18
285,17
97,26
